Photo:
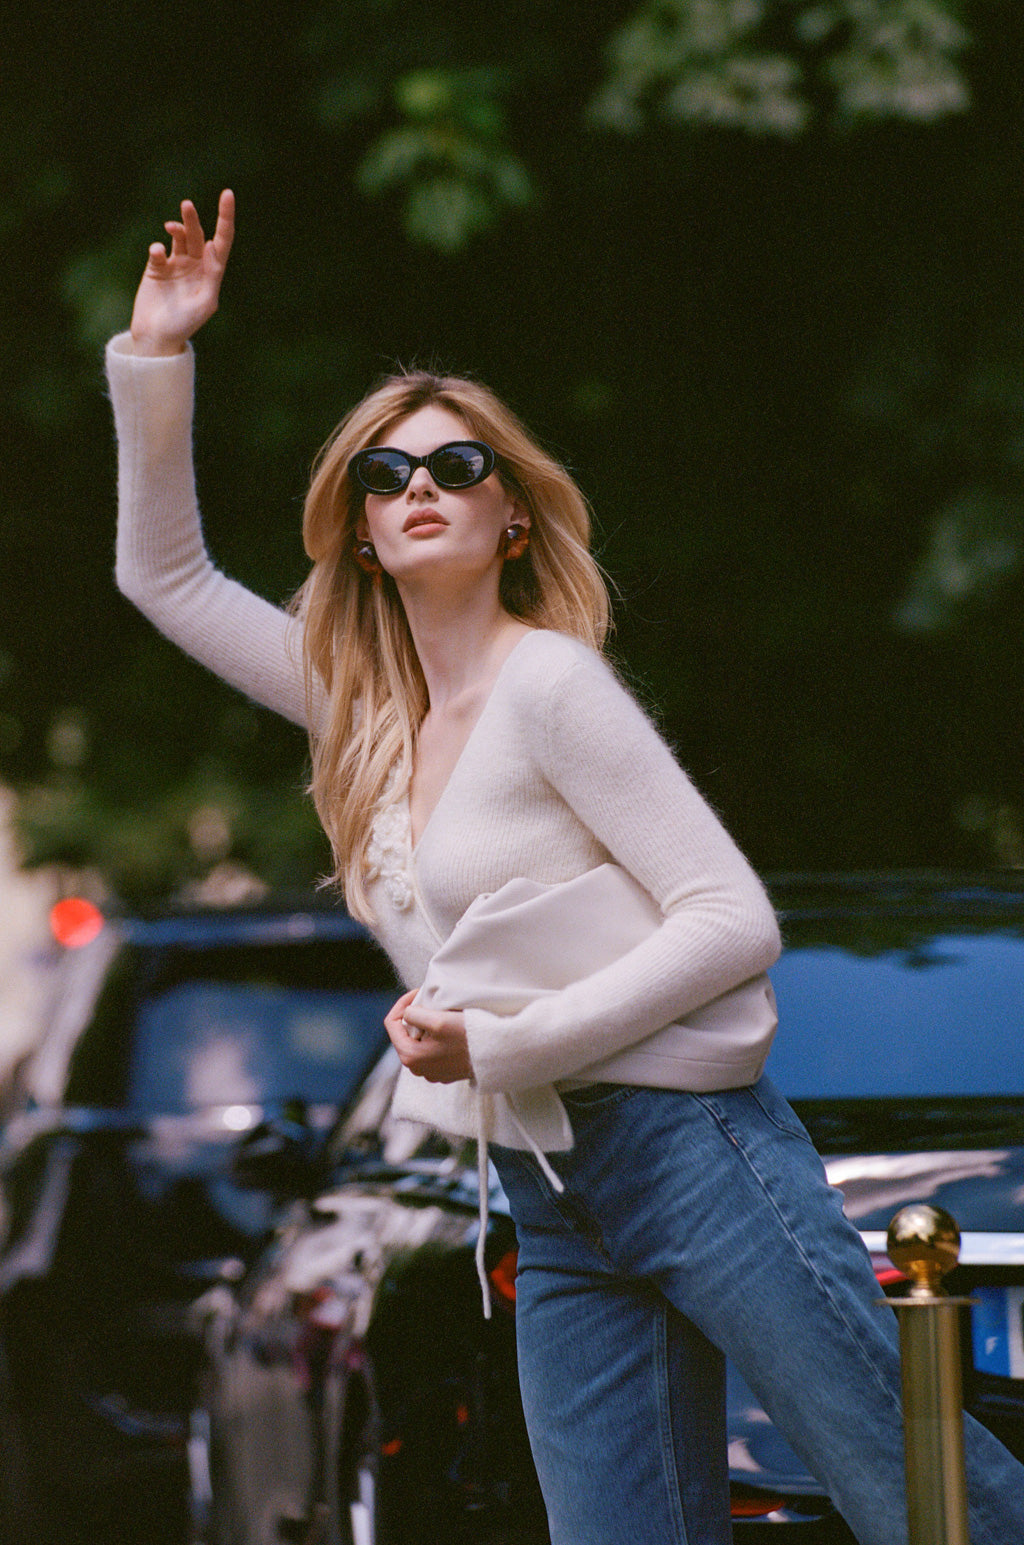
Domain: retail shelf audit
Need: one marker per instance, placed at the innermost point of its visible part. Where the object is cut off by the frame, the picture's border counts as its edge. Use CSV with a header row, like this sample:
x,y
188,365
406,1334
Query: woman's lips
x,y
424,522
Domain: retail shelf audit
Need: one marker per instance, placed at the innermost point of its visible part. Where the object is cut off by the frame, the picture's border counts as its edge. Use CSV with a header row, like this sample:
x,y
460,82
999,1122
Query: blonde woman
x,y
445,657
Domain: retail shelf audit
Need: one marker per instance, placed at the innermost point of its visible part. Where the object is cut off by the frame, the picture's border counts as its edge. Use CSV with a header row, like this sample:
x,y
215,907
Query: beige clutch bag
x,y
528,940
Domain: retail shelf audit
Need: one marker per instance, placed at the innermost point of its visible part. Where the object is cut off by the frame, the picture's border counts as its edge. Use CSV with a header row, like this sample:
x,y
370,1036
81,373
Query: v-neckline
x,y
415,843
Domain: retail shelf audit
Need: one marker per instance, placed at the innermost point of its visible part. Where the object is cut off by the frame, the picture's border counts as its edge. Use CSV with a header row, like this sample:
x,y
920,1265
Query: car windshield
x,y
238,1043
177,1029
936,1013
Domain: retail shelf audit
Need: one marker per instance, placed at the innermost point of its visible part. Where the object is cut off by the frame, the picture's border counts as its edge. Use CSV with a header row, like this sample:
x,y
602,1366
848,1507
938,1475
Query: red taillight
x,y
75,921
754,1504
887,1275
503,1276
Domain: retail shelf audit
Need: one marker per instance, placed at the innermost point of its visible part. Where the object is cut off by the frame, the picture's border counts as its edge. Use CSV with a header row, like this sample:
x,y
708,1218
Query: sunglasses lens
x,y
383,472
459,466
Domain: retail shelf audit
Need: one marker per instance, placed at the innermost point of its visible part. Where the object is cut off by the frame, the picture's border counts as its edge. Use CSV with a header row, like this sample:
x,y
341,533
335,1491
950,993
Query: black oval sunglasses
x,y
460,464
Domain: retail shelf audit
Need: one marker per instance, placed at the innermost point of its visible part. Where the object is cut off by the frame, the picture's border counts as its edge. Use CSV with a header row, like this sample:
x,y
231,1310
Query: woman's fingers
x,y
180,289
430,1042
439,1052
188,240
176,231
421,1022
402,1003
193,229
224,233
394,1019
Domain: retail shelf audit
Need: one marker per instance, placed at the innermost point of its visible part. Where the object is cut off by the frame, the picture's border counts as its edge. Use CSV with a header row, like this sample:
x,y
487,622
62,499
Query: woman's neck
x,y
461,642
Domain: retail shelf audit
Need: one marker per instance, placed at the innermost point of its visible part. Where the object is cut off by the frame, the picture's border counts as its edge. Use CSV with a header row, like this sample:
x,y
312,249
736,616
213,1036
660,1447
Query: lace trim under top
x,y
389,850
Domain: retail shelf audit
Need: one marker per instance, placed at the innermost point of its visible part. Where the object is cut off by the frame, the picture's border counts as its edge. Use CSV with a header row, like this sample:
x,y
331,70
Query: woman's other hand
x,y
180,289
430,1042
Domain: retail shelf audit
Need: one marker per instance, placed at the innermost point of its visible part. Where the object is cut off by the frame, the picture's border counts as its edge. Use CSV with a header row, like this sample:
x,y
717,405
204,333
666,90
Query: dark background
x,y
759,283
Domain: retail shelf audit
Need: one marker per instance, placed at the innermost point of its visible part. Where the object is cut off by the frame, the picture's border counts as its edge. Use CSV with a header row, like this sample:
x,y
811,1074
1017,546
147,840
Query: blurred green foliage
x,y
448,160
769,66
753,267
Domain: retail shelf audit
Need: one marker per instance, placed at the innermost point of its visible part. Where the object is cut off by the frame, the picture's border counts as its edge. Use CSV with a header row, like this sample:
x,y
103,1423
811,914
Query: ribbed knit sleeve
x,y
595,746
162,562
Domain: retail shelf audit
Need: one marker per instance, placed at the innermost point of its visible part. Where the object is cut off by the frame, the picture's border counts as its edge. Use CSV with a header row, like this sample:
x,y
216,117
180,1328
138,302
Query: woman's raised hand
x,y
180,289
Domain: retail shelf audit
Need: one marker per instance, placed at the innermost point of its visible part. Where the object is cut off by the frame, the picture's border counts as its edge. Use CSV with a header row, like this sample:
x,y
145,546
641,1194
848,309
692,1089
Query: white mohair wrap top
x,y
562,773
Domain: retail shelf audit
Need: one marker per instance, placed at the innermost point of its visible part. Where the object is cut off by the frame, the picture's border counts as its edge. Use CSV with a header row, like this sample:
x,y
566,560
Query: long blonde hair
x,y
357,647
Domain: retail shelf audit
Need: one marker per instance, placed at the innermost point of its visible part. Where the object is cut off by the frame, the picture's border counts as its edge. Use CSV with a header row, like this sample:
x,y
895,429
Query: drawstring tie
x,y
485,1125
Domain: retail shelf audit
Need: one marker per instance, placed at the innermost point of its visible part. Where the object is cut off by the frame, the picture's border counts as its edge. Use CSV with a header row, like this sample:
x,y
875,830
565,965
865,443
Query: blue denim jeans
x,y
692,1226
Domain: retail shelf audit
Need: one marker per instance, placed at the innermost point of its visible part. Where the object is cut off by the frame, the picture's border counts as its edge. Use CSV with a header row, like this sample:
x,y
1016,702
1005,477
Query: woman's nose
x,y
421,483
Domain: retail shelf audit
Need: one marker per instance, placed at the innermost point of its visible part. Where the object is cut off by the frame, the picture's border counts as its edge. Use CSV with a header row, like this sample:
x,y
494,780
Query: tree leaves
x,y
772,66
449,162
681,236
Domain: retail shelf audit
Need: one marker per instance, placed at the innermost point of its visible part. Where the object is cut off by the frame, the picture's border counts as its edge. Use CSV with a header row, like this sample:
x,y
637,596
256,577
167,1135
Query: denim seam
x,y
537,1176
849,1330
665,1434
798,1133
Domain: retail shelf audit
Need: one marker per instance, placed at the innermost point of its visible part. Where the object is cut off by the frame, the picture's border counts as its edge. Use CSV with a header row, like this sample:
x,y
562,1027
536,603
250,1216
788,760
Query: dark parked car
x,y
355,1392
356,1395
179,1046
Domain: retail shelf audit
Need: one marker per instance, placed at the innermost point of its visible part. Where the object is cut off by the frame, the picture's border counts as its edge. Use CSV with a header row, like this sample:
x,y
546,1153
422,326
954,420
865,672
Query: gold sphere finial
x,y
924,1242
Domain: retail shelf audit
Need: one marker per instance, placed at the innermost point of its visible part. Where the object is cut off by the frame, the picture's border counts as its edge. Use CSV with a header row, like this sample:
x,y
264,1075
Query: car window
x,y
939,1014
176,1029
225,1043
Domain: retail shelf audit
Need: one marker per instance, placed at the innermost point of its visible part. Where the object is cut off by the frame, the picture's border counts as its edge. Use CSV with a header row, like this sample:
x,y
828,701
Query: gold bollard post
x,y
924,1242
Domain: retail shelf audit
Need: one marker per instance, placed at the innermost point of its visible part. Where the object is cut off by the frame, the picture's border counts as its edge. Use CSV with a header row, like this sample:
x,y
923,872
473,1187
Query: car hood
x,y
159,1191
982,1188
